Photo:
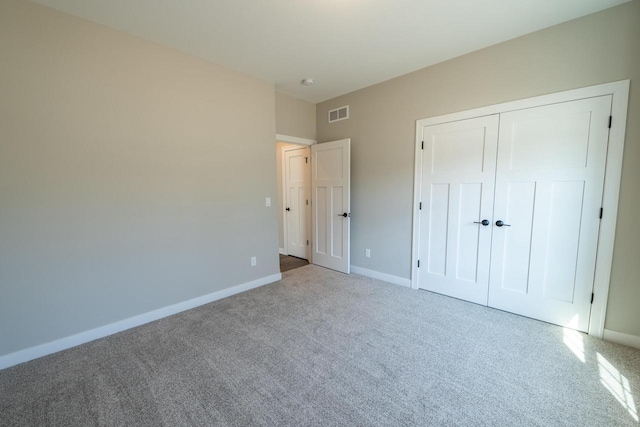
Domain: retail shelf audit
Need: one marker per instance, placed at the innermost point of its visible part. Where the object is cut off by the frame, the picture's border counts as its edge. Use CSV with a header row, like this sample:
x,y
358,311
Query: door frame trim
x,y
302,142
604,258
294,140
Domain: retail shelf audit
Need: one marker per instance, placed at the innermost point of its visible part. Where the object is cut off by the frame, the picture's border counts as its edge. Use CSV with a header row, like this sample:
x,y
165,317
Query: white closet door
x,y
458,172
331,200
549,183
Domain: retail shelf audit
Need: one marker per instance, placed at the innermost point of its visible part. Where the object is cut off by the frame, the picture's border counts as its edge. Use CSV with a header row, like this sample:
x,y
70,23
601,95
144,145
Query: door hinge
x,y
610,120
591,297
307,203
307,243
418,263
601,212
306,160
420,206
423,145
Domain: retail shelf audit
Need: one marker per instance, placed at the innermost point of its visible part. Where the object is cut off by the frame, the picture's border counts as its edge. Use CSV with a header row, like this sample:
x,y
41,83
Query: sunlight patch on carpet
x,y
617,384
575,342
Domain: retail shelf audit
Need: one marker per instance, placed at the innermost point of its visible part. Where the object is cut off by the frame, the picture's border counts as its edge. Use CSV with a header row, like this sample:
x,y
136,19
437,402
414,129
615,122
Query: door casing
x,y
620,98
301,143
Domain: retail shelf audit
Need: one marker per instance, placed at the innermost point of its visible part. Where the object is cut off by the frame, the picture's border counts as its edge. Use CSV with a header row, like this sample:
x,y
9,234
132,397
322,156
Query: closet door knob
x,y
501,223
484,222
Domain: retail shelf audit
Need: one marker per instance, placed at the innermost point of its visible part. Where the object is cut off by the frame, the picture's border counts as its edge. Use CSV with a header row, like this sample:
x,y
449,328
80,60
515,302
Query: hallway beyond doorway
x,y
290,262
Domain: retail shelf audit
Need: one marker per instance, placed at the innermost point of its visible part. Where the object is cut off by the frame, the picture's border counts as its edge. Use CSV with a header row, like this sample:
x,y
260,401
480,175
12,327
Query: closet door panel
x,y
548,193
458,172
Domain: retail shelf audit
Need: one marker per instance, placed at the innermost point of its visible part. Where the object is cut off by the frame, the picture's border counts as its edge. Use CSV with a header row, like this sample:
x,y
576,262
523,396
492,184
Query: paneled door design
x,y
549,184
458,172
297,201
511,204
330,188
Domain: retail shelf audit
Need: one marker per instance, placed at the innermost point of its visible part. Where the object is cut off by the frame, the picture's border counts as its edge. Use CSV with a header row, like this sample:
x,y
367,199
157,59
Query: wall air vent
x,y
338,114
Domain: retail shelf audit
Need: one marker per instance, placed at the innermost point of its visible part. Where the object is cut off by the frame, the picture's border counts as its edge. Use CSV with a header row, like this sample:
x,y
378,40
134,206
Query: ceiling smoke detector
x,y
307,82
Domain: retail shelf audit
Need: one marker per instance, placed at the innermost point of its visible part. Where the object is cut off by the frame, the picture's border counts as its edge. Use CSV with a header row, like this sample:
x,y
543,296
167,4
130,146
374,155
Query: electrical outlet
x,y
254,261
268,202
367,253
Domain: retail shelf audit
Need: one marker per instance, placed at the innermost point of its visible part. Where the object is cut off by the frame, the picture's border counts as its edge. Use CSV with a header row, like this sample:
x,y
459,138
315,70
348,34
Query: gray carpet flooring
x,y
321,348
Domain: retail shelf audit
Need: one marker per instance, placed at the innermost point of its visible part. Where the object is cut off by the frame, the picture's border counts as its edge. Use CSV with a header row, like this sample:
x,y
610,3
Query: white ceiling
x,y
343,45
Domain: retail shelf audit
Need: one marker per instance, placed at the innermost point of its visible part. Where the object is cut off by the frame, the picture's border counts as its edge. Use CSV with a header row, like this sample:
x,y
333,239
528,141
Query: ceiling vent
x,y
338,114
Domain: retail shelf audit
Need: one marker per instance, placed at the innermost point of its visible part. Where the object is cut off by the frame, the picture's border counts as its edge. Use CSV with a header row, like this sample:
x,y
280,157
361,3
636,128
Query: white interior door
x,y
458,172
296,166
549,184
330,188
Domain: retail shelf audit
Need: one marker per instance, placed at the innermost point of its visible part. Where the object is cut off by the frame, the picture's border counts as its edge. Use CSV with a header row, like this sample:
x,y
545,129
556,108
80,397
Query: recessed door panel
x,y
468,232
550,138
321,235
438,225
330,164
447,147
297,164
337,231
293,220
562,241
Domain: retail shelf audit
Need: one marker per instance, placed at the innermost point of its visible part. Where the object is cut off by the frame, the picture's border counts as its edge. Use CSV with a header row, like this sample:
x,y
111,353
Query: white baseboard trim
x,y
282,251
41,350
381,276
620,338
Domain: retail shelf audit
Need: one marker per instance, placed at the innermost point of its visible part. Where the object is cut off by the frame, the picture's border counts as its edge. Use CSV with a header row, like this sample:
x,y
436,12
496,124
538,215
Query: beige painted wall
x,y
132,176
295,117
599,48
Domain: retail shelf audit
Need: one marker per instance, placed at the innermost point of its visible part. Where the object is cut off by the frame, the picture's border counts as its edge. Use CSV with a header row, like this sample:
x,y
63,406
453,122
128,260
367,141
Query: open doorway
x,y
288,262
294,197
314,201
